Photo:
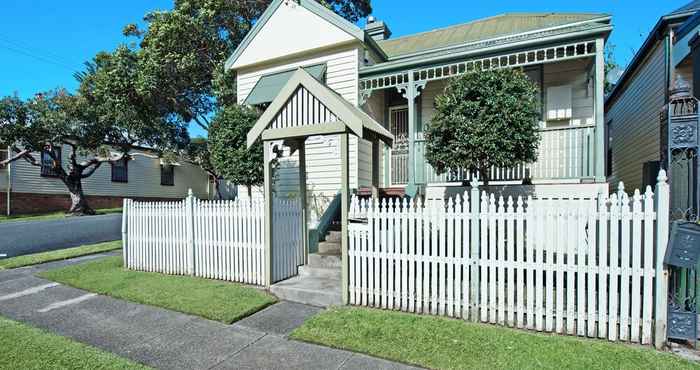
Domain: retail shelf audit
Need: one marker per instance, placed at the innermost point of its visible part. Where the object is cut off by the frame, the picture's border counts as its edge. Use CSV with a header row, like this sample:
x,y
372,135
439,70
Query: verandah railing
x,y
558,265
564,153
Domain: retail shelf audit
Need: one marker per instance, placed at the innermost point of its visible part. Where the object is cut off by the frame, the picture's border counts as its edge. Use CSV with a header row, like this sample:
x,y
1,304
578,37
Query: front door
x,y
398,123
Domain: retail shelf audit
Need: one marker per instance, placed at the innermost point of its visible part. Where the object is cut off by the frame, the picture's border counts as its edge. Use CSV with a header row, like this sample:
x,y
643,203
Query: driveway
x,y
25,237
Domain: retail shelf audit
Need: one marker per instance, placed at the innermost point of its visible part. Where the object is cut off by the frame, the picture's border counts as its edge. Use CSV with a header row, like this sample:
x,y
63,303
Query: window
x,y
167,175
3,155
120,171
48,164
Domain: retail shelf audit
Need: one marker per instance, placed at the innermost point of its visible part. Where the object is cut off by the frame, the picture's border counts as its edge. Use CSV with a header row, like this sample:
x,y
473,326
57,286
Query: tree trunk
x,y
250,192
79,204
217,189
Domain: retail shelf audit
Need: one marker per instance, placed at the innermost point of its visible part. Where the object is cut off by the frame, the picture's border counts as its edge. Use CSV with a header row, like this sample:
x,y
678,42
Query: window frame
x,y
48,170
167,178
120,177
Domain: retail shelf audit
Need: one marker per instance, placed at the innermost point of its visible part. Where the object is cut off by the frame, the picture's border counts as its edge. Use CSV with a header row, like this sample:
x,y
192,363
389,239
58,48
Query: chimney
x,y
377,29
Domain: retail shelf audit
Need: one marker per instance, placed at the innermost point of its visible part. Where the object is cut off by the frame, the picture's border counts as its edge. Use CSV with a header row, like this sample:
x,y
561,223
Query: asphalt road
x,y
25,237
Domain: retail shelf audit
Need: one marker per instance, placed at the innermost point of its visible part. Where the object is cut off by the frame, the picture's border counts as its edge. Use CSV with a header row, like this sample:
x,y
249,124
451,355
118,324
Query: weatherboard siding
x,y
144,180
635,120
322,153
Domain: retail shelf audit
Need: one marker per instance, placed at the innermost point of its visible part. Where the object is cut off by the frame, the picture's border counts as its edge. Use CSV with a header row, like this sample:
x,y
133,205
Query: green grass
x,y
57,255
211,299
443,343
25,347
53,215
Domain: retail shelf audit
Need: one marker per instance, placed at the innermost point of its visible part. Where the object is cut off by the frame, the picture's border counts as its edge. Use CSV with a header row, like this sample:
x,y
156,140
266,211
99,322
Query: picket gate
x,y
221,240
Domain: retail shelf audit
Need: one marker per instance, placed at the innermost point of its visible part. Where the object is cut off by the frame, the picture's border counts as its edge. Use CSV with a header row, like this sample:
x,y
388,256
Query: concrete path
x,y
169,340
24,237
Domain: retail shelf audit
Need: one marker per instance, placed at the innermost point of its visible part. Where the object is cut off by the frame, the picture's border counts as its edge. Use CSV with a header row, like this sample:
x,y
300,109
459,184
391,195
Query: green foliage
x,y
228,146
445,343
610,67
484,119
26,347
215,300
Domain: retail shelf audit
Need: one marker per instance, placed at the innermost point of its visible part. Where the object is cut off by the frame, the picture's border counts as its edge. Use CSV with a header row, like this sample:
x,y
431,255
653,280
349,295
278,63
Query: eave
x,y
454,53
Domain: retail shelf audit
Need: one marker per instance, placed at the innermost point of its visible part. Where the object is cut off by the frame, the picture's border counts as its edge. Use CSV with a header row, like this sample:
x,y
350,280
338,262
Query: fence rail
x,y
555,265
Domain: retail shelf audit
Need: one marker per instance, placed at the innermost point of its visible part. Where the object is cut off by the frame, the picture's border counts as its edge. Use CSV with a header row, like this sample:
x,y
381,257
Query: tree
x,y
484,119
228,146
612,69
100,124
182,53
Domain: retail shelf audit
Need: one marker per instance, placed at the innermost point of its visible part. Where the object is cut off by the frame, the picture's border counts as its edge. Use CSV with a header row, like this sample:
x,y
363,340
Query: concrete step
x,y
329,248
314,291
320,272
334,236
324,260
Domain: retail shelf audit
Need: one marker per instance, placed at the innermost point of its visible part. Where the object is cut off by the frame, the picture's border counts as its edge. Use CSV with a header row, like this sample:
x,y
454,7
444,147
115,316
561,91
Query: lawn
x,y
26,347
443,343
211,299
53,215
57,255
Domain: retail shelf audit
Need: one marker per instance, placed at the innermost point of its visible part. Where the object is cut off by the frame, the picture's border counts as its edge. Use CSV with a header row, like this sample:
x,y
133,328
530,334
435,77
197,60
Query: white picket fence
x,y
212,239
557,265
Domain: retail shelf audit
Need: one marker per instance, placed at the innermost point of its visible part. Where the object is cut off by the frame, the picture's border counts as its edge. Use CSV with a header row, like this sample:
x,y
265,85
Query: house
x,y
395,81
27,188
639,112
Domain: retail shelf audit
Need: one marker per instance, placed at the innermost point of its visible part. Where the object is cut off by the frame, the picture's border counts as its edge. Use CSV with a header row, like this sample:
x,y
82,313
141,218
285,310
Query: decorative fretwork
x,y
511,60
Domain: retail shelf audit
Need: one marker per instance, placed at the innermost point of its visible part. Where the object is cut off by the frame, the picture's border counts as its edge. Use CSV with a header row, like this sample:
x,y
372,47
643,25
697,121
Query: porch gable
x,y
305,107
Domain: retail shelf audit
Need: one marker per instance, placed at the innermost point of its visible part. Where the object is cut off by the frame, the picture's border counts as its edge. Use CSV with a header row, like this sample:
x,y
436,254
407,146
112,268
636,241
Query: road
x,y
24,237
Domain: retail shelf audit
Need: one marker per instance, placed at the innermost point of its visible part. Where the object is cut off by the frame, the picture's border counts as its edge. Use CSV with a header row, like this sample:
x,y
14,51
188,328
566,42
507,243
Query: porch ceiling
x,y
306,107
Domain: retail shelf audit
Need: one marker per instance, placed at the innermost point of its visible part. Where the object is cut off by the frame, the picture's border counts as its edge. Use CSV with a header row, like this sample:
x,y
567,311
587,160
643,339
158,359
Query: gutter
x,y
416,61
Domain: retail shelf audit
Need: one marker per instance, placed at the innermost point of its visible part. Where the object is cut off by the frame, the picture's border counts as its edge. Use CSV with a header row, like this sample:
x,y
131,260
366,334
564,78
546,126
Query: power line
x,y
37,57
34,50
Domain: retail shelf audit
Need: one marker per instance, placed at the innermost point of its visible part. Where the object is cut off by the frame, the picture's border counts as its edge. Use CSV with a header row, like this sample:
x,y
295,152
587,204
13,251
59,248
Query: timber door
x,y
398,123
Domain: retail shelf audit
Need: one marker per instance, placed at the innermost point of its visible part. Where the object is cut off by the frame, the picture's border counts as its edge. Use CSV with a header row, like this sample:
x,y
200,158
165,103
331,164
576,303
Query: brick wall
x,y
27,203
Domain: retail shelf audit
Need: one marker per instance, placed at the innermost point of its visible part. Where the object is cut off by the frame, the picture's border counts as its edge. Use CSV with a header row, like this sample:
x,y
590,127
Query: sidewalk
x,y
166,339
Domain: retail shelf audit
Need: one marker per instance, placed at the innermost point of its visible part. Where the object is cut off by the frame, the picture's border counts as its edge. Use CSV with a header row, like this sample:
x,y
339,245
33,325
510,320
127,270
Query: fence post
x,y
125,232
474,244
189,209
662,224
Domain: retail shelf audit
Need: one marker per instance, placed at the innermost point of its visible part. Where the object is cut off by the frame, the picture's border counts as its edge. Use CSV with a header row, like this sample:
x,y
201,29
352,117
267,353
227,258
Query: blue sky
x,y
43,41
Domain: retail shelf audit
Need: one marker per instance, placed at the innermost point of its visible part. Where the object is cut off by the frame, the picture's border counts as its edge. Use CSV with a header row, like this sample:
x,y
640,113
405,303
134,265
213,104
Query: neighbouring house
x,y
30,189
396,80
652,100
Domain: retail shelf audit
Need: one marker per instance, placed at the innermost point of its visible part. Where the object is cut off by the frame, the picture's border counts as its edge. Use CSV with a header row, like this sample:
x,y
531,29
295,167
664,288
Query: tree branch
x,y
91,170
20,154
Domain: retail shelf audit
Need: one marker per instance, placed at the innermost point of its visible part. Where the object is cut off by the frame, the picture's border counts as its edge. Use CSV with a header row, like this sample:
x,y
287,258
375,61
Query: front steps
x,y
318,282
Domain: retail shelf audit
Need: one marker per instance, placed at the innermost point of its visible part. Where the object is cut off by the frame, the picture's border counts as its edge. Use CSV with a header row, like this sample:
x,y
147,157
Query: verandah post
x,y
189,216
661,298
474,254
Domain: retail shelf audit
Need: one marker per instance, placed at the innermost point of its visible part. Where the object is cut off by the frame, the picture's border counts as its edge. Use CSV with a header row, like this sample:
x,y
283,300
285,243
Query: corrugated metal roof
x,y
482,29
268,86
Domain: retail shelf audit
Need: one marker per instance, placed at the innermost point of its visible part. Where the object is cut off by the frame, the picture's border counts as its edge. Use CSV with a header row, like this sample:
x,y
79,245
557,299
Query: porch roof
x,y
306,107
503,25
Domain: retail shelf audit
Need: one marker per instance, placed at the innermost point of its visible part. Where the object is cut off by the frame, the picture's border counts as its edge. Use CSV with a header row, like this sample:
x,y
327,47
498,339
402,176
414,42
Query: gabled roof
x,y
349,116
483,29
679,15
310,5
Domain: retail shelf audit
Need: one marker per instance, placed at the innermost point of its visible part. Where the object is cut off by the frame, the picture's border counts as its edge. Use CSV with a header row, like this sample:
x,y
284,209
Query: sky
x,y
43,42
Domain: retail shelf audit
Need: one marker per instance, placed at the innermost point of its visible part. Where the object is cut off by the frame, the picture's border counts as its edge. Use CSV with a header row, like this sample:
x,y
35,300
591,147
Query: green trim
x,y
330,128
333,18
444,56
351,116
310,5
269,85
